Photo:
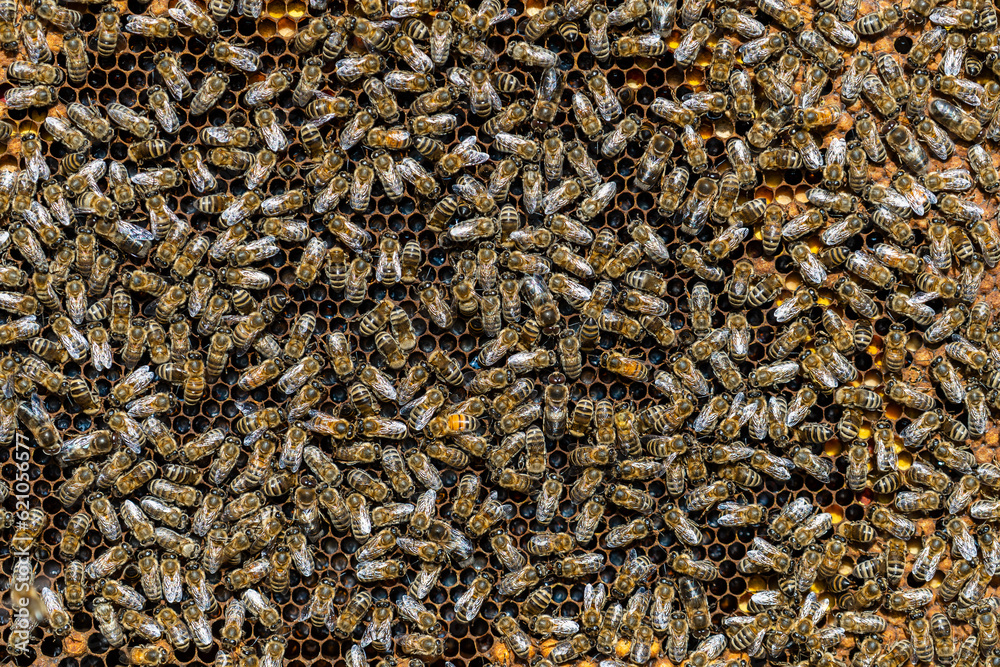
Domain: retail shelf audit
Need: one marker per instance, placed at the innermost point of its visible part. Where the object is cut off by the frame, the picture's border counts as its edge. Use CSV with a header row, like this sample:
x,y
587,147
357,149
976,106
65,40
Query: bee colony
x,y
424,333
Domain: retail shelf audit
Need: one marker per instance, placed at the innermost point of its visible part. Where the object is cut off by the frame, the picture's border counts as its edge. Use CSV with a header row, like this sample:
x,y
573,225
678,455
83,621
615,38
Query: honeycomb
x,y
637,82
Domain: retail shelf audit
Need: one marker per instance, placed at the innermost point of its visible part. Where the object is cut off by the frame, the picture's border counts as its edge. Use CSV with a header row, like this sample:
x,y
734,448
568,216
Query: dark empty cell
x,y
584,61
227,101
275,48
854,512
97,78
882,326
118,150
217,117
715,146
495,44
607,167
177,45
793,177
676,287
645,95
863,362
116,78
137,44
237,81
784,264
706,235
97,644
246,26
137,79
902,44
126,97
726,535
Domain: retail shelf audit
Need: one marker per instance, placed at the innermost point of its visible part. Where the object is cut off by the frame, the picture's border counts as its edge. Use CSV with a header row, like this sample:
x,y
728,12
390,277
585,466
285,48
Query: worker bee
x,y
692,41
613,144
209,93
77,63
277,82
64,132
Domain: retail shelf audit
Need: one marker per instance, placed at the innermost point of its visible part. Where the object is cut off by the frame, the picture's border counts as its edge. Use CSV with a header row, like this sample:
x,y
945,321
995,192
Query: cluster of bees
x,y
137,287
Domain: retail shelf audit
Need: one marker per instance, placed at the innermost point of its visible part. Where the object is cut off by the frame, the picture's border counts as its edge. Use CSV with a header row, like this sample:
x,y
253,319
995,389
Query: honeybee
x,y
239,57
318,609
734,514
273,84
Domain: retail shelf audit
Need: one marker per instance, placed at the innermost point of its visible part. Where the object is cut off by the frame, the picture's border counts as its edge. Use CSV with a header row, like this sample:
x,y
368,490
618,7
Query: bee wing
x,y
473,157
193,9
101,355
757,646
830,636
738,406
507,512
836,233
180,14
917,200
138,24
739,453
494,96
134,231
146,179
918,300
274,137
688,532
919,187
62,211
109,525
370,634
780,462
167,118
175,87
970,92
760,558
819,468
760,544
404,10
798,509
978,416
594,596
991,556
809,605
302,559
713,645
247,408
244,59
506,13
37,166
813,270
737,621
320,121
836,153
466,146
202,179
729,519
